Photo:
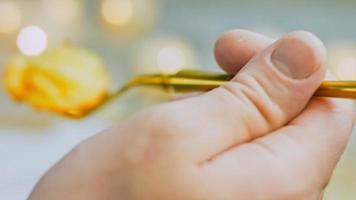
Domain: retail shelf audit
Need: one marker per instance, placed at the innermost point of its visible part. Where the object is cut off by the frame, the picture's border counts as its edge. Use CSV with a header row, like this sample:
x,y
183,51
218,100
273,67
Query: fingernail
x,y
297,57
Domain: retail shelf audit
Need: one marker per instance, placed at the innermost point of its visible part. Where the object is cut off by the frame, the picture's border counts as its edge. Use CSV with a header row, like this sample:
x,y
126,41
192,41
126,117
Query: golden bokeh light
x,y
117,12
10,17
167,55
130,18
63,11
32,40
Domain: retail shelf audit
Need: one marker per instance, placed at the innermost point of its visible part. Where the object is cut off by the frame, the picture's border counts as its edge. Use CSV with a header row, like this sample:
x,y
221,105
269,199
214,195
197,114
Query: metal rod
x,y
192,80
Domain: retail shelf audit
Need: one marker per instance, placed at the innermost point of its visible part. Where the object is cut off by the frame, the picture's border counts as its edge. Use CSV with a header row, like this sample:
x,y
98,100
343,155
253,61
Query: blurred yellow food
x,y
65,80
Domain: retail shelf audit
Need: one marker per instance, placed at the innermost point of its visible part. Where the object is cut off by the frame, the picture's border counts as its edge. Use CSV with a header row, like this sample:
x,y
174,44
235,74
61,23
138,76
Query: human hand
x,y
260,136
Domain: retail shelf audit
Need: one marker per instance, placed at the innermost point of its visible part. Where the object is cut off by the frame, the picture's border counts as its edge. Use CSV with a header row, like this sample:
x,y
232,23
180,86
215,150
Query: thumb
x,y
278,83
273,88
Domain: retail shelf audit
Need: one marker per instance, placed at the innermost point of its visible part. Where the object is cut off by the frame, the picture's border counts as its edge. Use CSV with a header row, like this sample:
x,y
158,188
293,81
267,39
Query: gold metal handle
x,y
192,80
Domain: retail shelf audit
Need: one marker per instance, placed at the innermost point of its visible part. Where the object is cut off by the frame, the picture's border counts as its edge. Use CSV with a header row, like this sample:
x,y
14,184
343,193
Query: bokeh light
x,y
130,18
342,60
10,17
32,40
117,12
63,11
167,55
170,59
346,68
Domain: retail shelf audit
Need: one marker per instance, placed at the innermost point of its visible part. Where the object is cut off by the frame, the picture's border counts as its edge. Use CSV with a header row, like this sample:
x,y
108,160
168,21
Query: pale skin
x,y
261,136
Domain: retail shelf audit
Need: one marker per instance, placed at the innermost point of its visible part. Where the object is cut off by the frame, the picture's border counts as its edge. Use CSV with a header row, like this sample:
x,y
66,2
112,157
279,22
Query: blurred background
x,y
139,36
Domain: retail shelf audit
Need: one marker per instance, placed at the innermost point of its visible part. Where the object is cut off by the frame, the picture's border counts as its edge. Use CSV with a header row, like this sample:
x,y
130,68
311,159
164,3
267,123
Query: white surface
x,y
32,142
